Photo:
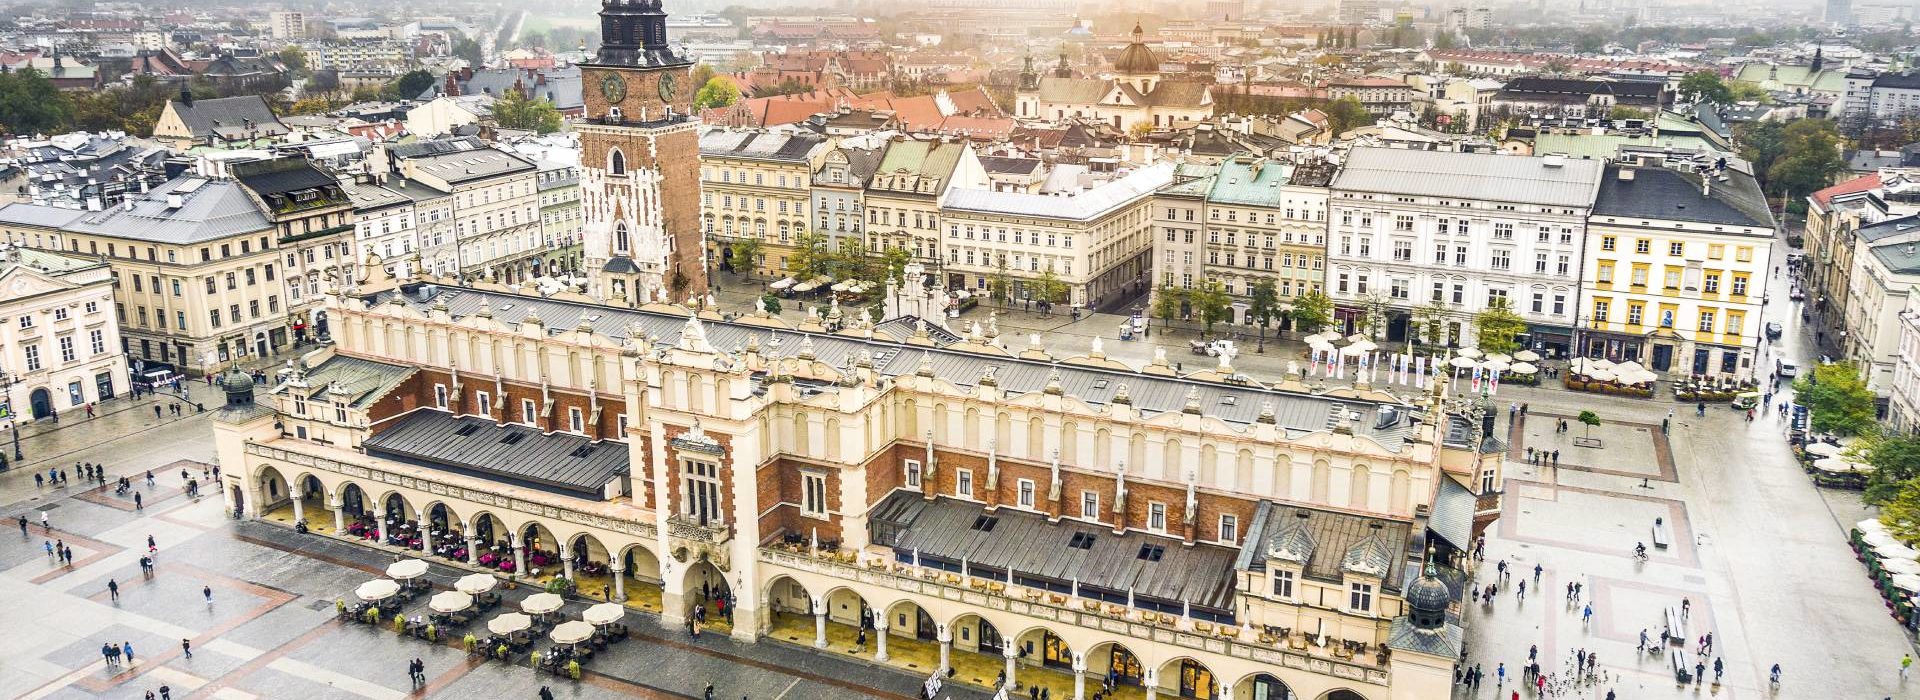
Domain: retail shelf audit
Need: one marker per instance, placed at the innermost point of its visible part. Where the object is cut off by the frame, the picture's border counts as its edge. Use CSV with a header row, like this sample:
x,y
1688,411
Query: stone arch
x,y
1187,677
1111,656
910,420
975,631
940,419
1103,446
641,563
801,442
1037,438
1137,451
1209,465
847,607
1243,471
1070,442
970,428
490,528
785,594
1003,432
353,499
590,556
393,502
616,162
1040,645
1249,687
1170,461
270,488
1341,694
833,437
907,618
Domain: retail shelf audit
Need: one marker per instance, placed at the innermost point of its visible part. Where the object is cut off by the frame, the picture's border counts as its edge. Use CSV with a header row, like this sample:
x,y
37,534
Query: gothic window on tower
x,y
620,235
617,162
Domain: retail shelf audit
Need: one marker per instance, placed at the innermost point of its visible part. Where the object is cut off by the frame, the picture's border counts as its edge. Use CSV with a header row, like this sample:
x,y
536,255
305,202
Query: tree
x,y
324,81
468,50
1625,112
1589,419
313,105
1212,303
810,255
716,92
513,110
1347,113
1810,159
1839,399
772,302
1705,87
746,256
1048,289
1139,130
1311,311
1166,303
1901,512
1264,304
1896,464
1496,326
703,73
1428,319
29,103
408,86
295,59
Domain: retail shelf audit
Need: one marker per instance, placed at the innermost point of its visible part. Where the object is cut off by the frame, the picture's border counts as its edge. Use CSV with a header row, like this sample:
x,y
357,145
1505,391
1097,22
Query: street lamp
x,y
7,380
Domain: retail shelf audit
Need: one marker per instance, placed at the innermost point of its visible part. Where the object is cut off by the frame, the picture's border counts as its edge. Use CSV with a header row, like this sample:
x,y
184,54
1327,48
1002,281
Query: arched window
x,y
620,237
617,162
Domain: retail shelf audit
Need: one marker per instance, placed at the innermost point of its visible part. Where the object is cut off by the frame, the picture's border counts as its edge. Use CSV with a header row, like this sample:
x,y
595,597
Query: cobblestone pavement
x,y
270,631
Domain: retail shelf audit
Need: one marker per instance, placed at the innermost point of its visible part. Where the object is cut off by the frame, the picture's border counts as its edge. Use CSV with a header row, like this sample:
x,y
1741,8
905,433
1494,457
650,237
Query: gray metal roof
x,y
1295,413
1338,539
558,462
950,529
761,145
1670,195
209,210
361,382
1472,176
462,159
1081,206
1452,516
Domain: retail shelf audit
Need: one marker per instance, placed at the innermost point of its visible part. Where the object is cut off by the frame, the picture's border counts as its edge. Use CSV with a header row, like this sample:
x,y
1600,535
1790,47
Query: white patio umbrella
x,y
407,569
1461,362
1357,338
604,614
1894,550
509,623
1635,376
377,589
474,584
1468,352
1628,367
1602,375
1901,566
542,603
1523,368
1527,356
1494,365
1361,347
1871,525
1907,582
1834,465
1879,539
1503,357
1321,344
573,632
450,602
1826,450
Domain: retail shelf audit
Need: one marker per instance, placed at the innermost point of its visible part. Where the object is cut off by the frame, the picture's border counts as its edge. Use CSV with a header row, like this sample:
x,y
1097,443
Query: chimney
x,y
1706,186
1626,174
175,200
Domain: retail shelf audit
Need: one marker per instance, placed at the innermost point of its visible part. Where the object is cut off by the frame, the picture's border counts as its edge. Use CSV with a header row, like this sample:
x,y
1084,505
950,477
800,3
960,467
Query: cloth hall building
x,y
972,507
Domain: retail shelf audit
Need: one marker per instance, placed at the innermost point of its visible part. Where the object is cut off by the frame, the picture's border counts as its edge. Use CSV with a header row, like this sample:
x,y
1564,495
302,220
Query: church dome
x,y
1427,601
1137,58
237,382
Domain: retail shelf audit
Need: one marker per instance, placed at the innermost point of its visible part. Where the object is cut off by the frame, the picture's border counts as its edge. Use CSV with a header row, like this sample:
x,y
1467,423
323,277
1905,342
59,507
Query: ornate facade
x,y
640,162
1073,518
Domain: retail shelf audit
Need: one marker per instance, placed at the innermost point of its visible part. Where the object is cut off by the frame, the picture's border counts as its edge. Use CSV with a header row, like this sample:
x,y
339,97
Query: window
x,y
1600,307
1283,584
1739,285
1635,312
1026,493
575,421
483,404
1157,517
60,312
1642,245
98,341
33,357
1502,259
1607,243
66,348
963,483
1604,273
1360,597
1403,222
1229,529
1503,232
26,321
813,495
913,473
1677,249
1673,278
1712,284
1639,276
440,395
1090,505
700,490
1706,321
1403,251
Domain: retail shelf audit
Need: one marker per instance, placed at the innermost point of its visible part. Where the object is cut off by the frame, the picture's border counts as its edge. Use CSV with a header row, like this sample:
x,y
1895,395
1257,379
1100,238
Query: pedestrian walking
x,y
113,590
1586,617
1522,593
1906,662
89,409
137,504
166,693
39,481
46,523
156,411
546,693
186,648
23,523
1686,606
208,592
127,648
51,552
1719,667
149,478
106,654
1536,574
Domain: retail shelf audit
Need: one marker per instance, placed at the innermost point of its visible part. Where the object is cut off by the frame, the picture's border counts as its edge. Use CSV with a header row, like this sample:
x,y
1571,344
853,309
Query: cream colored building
x,y
1246,220
60,348
907,191
1095,242
1260,543
757,184
495,203
1675,268
201,270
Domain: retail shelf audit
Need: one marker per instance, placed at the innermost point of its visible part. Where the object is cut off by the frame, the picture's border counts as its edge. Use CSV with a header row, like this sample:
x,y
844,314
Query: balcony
x,y
880,570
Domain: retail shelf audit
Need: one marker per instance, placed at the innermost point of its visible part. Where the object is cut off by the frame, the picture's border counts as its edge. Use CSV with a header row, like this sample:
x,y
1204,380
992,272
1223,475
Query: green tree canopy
x,y
1705,86
1212,303
1311,311
1497,325
408,86
295,59
1839,399
513,110
29,103
716,92
1896,464
1347,113
1166,303
1589,419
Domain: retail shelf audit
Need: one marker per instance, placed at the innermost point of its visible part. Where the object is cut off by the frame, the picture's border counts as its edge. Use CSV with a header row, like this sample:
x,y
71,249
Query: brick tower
x,y
640,162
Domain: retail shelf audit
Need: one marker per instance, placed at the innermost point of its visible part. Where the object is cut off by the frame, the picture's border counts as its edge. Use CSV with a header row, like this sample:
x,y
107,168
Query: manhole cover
x,y
49,506
320,604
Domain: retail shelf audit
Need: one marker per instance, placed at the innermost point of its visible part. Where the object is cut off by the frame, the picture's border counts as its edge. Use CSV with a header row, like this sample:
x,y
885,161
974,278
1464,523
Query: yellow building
x,y
755,184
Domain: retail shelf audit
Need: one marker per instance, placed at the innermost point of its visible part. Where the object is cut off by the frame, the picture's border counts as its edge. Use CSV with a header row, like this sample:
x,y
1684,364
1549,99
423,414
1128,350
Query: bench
x,y
1677,660
1661,537
1676,626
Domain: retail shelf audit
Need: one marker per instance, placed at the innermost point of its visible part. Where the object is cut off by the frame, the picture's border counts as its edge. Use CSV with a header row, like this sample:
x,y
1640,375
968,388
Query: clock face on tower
x,y
667,81
613,87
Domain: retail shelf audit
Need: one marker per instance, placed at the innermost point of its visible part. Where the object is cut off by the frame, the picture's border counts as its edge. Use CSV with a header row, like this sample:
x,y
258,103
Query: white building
x,y
1438,247
1676,265
384,225
495,205
59,342
287,25
1097,241
1886,268
1904,411
1242,222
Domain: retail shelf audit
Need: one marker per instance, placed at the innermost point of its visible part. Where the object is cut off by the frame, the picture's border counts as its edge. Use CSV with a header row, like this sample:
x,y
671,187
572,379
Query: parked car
x,y
1774,330
1787,370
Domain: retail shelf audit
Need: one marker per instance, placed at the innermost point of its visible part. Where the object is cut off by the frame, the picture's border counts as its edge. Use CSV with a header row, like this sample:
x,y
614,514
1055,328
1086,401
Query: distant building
x,y
287,25
61,342
1137,94
226,122
1578,99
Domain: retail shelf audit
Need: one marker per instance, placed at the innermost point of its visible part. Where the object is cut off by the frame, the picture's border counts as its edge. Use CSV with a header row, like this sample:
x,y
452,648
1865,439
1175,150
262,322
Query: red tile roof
x,y
1858,184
